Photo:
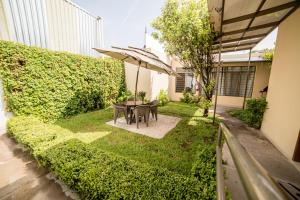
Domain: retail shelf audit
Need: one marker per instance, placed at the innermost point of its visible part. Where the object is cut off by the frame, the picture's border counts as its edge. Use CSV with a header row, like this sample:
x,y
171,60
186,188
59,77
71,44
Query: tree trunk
x,y
199,88
205,112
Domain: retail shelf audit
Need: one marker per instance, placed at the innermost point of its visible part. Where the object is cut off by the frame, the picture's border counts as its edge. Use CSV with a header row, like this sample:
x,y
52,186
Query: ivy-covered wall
x,y
52,85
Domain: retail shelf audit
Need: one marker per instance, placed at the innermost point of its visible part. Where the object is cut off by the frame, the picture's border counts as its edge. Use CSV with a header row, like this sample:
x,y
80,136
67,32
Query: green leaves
x,y
53,85
268,54
254,112
184,27
185,30
98,174
163,98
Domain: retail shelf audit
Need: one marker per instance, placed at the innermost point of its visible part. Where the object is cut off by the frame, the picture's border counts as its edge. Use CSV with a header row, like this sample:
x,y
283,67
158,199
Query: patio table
x,y
133,103
130,104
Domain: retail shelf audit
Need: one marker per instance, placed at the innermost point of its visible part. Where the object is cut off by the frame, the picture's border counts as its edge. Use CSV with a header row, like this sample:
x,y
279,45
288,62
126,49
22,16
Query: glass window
x,y
232,81
186,80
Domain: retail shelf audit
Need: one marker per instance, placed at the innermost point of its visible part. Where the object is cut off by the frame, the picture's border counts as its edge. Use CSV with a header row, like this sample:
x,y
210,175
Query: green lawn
x,y
177,151
103,162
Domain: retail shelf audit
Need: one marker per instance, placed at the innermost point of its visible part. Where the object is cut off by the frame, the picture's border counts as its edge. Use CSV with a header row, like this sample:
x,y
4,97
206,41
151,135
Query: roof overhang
x,y
243,24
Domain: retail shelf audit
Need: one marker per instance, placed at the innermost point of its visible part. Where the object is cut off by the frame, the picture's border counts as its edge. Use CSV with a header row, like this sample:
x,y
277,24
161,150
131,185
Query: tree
x,y
268,54
186,32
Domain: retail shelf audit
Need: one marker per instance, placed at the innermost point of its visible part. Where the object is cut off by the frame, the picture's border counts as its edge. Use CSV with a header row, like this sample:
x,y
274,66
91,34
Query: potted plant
x,y
142,95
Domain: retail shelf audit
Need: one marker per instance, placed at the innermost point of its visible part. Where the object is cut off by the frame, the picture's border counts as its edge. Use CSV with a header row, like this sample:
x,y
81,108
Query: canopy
x,y
139,57
243,24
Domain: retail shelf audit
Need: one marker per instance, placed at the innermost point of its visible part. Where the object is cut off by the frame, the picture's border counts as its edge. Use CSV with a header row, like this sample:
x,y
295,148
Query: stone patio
x,y
156,129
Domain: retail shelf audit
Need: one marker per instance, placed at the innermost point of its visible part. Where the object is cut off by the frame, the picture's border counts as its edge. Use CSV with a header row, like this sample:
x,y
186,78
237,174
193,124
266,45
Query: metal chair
x,y
120,108
140,111
153,108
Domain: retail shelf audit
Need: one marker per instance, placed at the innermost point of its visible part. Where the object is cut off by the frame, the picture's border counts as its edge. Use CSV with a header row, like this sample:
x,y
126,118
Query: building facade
x,y
232,80
281,122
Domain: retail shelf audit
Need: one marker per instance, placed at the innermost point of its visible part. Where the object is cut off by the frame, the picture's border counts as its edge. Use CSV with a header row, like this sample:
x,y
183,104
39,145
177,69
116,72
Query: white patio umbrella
x,y
139,57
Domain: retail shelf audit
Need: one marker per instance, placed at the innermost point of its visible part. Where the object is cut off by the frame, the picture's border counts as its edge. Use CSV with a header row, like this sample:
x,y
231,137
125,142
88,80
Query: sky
x,y
124,21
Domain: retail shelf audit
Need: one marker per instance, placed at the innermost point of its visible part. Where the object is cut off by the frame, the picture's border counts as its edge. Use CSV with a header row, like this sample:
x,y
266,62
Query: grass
x,y
100,161
177,151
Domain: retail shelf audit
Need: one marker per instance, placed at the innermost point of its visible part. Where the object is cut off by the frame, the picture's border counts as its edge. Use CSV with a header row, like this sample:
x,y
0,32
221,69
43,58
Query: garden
x,y
62,103
60,118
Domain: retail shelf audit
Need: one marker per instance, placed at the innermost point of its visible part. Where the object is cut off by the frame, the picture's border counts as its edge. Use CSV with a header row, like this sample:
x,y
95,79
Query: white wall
x,y
159,81
4,115
144,81
281,123
149,81
54,24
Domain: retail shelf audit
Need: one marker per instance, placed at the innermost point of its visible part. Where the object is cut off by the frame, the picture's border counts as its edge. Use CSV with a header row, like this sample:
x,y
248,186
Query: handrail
x,y
258,184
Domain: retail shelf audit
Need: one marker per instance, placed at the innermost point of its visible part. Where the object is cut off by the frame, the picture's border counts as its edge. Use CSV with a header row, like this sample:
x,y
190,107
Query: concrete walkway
x,y
278,166
20,176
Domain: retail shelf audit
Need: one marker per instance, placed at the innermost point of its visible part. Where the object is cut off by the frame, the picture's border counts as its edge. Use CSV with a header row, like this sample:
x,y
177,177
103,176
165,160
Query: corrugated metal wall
x,y
54,24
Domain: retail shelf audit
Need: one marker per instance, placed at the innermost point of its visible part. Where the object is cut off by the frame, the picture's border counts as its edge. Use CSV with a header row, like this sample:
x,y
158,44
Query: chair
x,y
120,108
153,108
142,111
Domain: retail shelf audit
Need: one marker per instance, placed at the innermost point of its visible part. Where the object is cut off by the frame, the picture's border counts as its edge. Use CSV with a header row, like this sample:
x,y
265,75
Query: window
x,y
232,81
186,80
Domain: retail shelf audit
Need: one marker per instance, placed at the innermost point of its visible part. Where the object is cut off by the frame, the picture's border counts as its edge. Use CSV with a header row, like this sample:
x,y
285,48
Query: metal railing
x,y
256,181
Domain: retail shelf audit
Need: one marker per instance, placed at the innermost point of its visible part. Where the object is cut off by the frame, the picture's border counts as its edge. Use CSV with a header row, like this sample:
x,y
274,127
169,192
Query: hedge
x,y
52,85
254,112
97,174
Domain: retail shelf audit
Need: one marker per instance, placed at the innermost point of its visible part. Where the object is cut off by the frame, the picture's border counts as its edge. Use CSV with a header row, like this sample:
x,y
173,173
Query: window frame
x,y
240,91
182,72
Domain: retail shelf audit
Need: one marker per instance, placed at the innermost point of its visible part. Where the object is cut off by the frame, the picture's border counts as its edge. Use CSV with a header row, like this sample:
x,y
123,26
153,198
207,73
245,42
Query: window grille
x,y
186,80
232,81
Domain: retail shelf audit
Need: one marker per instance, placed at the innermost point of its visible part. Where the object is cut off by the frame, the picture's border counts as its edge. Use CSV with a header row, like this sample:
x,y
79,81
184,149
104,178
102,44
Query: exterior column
x,y
248,73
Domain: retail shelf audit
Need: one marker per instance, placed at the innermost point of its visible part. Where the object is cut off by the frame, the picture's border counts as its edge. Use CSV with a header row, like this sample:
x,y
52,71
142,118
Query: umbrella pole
x,y
136,81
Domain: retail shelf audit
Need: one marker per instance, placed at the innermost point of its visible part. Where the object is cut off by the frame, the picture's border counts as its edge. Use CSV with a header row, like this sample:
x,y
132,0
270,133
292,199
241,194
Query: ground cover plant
x,y
254,112
53,85
104,162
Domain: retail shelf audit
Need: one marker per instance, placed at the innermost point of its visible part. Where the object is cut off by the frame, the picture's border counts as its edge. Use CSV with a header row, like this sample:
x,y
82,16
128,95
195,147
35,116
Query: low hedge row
x,y
97,174
52,85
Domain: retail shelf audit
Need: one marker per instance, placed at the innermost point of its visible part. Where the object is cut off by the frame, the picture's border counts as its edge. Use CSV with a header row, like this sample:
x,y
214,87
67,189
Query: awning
x,y
243,24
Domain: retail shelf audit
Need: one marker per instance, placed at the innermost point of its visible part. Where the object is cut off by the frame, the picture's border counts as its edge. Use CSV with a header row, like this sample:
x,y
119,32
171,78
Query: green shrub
x,y
52,85
97,174
268,54
124,96
204,169
204,103
36,135
254,112
163,98
188,96
102,175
